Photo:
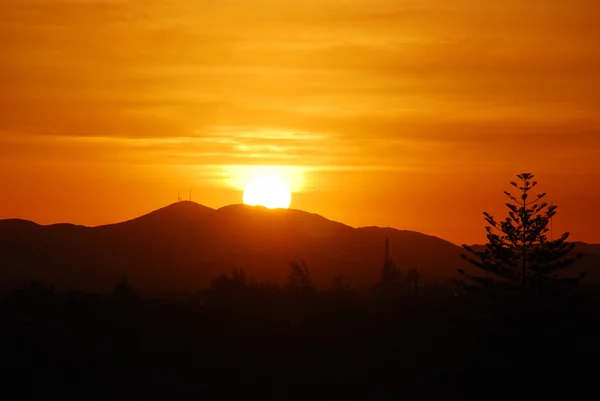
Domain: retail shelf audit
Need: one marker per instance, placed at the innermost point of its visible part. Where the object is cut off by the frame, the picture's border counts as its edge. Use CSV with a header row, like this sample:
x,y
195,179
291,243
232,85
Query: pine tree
x,y
390,283
520,261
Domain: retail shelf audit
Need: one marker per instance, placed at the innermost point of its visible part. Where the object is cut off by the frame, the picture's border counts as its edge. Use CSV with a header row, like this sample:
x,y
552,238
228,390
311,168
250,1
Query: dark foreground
x,y
265,343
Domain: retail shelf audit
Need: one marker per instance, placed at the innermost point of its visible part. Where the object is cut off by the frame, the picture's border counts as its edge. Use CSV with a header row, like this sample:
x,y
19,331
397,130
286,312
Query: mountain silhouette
x,y
184,246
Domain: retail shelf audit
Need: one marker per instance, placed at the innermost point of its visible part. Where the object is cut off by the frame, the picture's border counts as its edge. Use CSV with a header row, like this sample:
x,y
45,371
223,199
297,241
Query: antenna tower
x,y
190,194
178,197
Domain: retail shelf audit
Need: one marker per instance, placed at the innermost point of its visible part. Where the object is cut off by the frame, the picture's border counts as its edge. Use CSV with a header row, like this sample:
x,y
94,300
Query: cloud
x,y
392,84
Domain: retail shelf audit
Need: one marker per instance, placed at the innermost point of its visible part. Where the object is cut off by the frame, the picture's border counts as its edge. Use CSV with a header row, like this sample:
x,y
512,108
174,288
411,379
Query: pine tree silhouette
x,y
520,260
390,283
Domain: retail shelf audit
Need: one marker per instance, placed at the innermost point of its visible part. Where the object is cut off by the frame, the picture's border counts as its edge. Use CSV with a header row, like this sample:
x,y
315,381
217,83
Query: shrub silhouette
x,y
299,278
340,286
412,277
124,291
237,282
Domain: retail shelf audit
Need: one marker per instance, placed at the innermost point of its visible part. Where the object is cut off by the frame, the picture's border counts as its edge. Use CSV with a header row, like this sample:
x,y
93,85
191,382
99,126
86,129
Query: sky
x,y
401,113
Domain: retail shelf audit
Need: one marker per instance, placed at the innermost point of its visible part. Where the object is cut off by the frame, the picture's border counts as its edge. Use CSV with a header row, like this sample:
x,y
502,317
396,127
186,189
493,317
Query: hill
x,y
183,246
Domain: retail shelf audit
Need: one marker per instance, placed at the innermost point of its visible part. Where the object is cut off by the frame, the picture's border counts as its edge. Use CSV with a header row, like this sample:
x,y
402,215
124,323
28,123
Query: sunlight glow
x,y
240,176
269,191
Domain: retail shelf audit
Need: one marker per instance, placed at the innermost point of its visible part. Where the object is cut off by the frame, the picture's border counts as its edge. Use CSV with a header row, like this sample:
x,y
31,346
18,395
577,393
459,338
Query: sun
x,y
268,191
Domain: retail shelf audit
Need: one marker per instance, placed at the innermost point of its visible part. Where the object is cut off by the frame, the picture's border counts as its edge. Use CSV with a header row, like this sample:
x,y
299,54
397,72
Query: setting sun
x,y
268,191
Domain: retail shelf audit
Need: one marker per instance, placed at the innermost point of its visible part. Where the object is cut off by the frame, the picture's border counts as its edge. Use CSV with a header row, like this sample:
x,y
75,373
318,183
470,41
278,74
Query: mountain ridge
x,y
185,245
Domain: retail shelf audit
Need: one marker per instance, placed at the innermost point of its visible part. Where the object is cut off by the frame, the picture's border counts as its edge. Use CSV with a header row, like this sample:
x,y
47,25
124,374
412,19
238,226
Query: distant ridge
x,y
183,246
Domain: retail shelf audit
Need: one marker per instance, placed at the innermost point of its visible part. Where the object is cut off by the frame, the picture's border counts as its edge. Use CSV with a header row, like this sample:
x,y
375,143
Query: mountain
x,y
182,247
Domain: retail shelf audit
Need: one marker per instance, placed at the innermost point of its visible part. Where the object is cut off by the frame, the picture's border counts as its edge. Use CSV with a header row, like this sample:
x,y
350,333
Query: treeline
x,y
240,337
236,338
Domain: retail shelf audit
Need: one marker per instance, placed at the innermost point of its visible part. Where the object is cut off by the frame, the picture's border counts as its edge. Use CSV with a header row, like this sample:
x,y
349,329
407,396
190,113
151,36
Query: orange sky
x,y
403,113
